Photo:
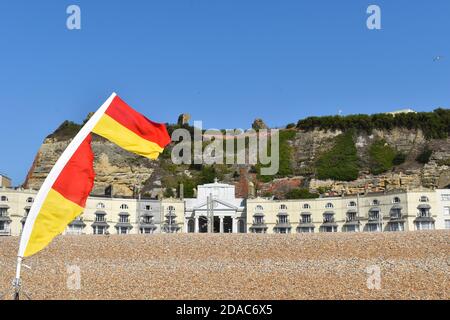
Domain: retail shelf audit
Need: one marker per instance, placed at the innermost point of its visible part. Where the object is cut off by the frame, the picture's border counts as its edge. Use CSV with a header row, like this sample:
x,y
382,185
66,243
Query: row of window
x,y
100,205
5,199
124,206
397,226
78,230
350,216
124,218
329,205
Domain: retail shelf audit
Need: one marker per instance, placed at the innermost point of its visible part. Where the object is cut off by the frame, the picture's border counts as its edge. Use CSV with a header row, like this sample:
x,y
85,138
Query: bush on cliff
x,y
67,130
381,157
435,125
341,162
302,193
424,156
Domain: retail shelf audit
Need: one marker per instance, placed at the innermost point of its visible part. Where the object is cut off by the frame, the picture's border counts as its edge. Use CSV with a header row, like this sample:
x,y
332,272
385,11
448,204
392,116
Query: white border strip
x,y
56,170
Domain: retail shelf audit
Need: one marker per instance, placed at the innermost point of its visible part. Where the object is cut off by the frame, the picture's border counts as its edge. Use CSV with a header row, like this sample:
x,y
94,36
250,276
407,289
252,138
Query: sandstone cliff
x,y
129,174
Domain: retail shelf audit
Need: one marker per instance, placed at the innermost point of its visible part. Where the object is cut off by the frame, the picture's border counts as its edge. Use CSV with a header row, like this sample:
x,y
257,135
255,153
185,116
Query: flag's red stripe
x,y
77,178
137,123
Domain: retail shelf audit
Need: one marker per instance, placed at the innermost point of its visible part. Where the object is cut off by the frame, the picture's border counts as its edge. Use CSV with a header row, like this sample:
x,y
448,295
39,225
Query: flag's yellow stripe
x,y
55,214
112,130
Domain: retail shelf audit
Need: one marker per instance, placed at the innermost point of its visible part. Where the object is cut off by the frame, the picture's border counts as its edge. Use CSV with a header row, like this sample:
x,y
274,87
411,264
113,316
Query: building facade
x,y
216,210
443,216
102,215
391,211
14,207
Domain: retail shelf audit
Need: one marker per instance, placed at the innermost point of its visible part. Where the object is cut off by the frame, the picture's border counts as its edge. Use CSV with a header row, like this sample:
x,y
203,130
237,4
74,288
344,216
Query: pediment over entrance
x,y
217,205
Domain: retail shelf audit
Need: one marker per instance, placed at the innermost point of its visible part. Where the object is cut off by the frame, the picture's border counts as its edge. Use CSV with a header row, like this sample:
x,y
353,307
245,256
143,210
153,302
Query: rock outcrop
x,y
127,172
259,124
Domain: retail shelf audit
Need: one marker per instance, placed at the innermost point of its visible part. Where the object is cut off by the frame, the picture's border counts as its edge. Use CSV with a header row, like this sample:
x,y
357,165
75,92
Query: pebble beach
x,y
411,265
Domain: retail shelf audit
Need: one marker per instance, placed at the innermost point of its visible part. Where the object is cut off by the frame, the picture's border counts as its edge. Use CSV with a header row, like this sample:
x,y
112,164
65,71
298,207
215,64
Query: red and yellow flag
x,y
131,130
65,200
63,194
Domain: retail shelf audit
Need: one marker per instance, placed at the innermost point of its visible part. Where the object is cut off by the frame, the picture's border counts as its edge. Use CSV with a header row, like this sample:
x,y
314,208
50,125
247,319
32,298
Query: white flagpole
x,y
48,183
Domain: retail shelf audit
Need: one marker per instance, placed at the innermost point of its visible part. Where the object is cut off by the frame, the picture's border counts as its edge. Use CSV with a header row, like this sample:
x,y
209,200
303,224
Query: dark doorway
x,y
216,224
191,225
227,224
202,225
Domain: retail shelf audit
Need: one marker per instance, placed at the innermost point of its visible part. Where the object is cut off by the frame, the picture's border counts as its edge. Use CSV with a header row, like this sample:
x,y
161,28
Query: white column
x,y
221,224
196,225
235,230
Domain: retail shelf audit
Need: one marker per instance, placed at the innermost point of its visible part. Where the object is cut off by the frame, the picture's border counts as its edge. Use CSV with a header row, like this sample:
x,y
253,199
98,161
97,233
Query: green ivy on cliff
x,y
285,154
382,157
341,161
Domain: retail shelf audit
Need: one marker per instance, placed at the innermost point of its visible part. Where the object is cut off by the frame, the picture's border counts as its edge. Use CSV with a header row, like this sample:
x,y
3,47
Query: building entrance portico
x,y
215,210
221,224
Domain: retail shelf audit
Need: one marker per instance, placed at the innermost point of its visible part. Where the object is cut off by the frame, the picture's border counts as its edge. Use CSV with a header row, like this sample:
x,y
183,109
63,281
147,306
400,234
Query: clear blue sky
x,y
223,61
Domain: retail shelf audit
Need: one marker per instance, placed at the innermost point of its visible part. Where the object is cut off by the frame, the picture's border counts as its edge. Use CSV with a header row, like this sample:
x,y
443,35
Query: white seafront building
x,y
102,214
443,219
216,209
215,206
390,211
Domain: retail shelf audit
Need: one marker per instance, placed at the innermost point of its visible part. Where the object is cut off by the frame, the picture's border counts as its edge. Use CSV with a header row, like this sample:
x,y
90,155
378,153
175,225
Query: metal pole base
x,y
17,286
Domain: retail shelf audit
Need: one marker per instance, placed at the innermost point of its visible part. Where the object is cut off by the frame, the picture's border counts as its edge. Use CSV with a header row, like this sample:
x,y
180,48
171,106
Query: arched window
x,y
124,206
259,208
3,198
396,200
329,205
283,207
30,200
306,206
100,205
375,202
148,207
424,199
352,204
